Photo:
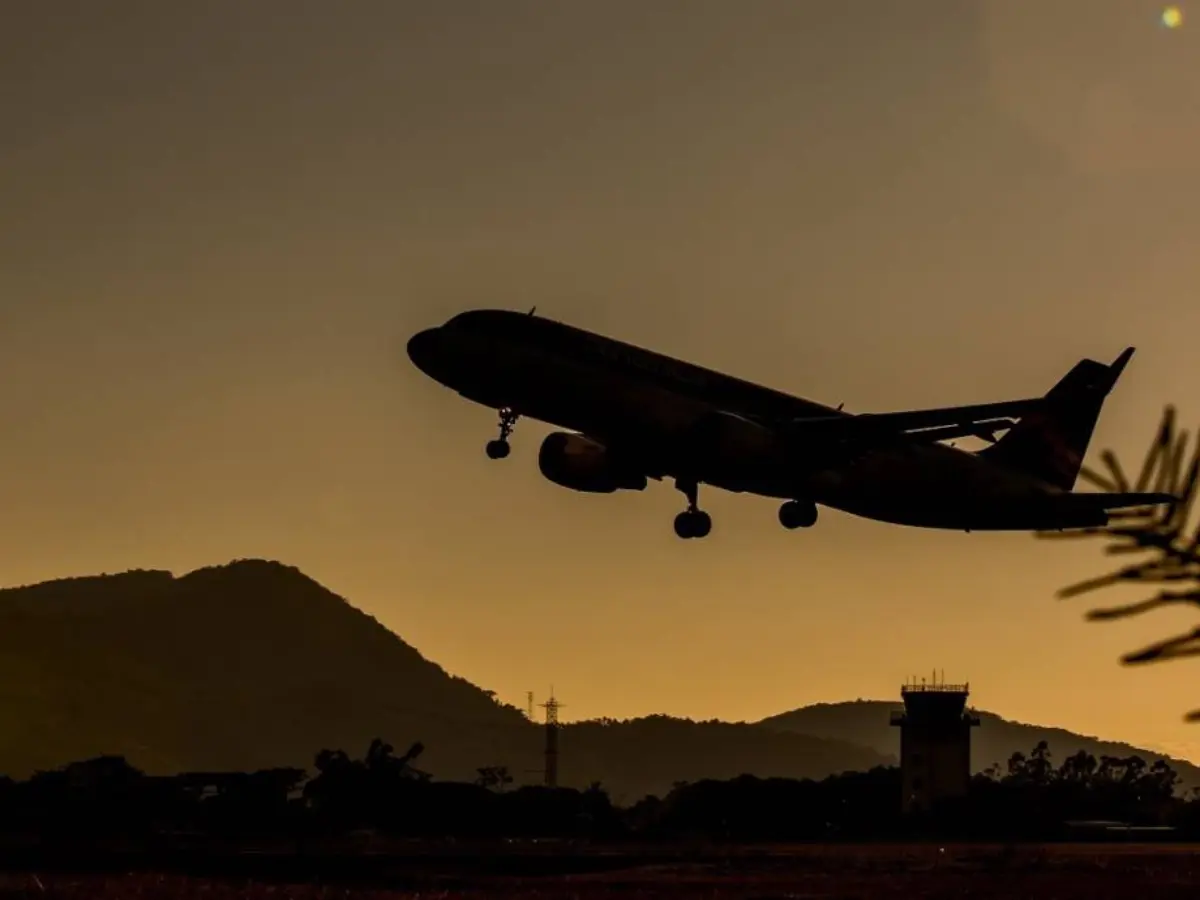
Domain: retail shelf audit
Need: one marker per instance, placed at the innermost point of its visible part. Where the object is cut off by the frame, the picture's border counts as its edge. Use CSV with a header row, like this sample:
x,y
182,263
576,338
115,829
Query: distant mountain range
x,y
253,664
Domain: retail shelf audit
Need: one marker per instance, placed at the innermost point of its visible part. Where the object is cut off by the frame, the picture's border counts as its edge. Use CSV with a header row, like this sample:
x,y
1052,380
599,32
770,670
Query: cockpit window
x,y
493,321
505,323
476,319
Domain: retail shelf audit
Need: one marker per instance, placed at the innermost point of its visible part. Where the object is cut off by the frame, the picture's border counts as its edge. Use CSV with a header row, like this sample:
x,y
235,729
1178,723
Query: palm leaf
x,y
1170,551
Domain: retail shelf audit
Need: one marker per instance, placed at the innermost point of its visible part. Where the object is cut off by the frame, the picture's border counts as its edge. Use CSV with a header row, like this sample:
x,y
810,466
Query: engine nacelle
x,y
581,464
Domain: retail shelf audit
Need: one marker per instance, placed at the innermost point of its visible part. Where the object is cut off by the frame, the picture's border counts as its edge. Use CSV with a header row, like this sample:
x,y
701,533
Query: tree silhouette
x,y
1027,799
1165,546
1079,768
494,778
1039,767
347,790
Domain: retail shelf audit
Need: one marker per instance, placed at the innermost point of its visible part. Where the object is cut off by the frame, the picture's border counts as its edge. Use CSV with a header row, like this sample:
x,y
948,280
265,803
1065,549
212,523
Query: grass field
x,y
812,872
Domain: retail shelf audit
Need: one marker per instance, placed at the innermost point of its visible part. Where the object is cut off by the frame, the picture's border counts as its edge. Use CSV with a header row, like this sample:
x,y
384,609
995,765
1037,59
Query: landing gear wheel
x,y
798,514
499,448
692,522
696,524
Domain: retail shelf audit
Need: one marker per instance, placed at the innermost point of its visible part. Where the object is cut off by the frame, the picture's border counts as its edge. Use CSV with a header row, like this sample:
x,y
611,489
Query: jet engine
x,y
581,464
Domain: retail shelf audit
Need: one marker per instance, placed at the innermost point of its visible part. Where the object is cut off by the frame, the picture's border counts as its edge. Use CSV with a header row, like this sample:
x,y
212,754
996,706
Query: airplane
x,y
632,415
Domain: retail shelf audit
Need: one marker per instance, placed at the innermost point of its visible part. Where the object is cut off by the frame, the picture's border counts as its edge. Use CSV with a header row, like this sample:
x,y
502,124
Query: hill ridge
x,y
253,664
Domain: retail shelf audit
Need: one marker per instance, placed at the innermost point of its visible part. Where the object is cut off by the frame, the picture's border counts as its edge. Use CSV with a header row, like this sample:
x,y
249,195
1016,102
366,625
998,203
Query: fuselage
x,y
625,396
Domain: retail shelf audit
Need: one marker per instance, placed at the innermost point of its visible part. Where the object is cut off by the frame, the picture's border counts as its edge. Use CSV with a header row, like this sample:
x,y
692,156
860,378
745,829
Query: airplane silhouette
x,y
635,415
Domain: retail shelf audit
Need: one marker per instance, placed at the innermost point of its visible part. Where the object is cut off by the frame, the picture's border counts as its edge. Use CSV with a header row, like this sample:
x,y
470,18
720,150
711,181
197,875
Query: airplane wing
x,y
937,424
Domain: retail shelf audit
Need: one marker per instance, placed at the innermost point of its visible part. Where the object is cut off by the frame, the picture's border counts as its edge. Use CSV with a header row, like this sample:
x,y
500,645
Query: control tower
x,y
935,743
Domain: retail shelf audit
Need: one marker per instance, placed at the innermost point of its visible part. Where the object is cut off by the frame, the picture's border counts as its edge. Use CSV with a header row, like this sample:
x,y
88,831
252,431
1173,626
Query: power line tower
x,y
552,707
529,705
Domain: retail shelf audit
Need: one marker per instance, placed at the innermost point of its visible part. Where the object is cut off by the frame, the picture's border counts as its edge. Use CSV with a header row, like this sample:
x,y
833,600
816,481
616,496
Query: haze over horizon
x,y
223,221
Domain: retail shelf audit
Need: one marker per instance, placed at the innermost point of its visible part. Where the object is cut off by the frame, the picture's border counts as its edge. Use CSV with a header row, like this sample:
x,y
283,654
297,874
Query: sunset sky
x,y
220,221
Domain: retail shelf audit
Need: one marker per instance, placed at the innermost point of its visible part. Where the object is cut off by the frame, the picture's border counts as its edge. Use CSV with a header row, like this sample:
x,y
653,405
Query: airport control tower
x,y
935,743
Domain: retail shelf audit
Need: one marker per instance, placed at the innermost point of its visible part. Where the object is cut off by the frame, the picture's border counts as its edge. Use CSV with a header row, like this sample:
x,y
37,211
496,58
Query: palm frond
x,y
1170,549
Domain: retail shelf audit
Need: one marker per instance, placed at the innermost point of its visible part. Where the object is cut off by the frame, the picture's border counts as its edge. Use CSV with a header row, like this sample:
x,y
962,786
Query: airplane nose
x,y
421,348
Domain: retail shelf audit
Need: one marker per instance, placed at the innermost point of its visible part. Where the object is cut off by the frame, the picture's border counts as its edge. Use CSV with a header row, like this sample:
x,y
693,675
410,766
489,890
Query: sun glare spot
x,y
1172,17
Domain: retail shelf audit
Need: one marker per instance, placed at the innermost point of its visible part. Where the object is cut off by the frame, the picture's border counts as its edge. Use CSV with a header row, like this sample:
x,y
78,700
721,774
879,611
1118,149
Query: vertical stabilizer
x,y
1051,443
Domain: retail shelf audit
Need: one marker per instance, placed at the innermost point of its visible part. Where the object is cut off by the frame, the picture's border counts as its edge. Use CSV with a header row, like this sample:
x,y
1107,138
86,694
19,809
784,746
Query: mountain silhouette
x,y
649,755
254,665
247,665
866,723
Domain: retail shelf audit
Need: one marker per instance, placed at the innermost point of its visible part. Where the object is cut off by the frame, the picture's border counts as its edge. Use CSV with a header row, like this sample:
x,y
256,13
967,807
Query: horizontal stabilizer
x,y
1126,500
984,430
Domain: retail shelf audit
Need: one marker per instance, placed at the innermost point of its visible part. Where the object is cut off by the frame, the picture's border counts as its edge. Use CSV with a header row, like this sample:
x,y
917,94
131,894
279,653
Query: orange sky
x,y
220,222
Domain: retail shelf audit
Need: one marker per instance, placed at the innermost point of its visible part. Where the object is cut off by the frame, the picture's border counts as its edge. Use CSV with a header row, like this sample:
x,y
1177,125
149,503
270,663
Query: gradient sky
x,y
220,221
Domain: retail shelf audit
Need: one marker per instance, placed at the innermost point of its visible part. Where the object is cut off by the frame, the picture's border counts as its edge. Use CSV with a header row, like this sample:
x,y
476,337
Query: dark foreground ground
x,y
872,872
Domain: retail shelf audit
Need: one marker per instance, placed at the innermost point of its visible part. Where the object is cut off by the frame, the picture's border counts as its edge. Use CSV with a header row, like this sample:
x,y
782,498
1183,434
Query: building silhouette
x,y
935,743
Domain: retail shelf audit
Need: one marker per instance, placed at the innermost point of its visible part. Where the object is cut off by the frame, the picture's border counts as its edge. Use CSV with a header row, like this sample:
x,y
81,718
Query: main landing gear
x,y
798,514
500,448
692,522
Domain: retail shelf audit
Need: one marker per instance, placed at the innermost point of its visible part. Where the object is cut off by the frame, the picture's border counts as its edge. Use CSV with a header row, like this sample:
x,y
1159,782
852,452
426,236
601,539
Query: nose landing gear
x,y
692,522
500,448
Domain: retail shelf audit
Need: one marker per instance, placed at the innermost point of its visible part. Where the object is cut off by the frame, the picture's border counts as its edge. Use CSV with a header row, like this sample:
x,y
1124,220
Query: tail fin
x,y
1051,443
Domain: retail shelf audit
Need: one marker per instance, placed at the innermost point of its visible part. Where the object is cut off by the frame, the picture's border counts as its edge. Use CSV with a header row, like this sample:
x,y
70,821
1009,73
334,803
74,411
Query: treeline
x,y
1029,798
